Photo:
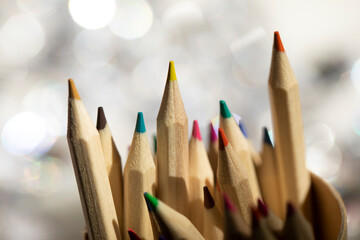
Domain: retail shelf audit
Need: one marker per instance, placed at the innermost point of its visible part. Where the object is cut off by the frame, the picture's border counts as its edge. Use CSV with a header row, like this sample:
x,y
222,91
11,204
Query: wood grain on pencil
x,y
113,164
139,177
172,144
288,128
90,171
200,175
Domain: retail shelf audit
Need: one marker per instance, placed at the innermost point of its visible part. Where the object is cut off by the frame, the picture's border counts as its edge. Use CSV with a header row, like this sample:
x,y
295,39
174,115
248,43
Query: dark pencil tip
x,y
266,137
101,119
133,235
262,208
290,210
208,199
256,216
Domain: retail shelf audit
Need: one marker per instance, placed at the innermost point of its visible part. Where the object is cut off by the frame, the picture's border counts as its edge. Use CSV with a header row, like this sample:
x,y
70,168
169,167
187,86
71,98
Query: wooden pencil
x,y
259,228
288,128
268,176
90,171
253,153
113,164
235,226
240,146
139,177
173,147
154,224
213,151
296,227
274,222
200,175
233,179
213,228
173,225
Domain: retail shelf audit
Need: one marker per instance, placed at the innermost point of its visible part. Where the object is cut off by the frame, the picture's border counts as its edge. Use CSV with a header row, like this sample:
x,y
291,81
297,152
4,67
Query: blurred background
x,y
117,52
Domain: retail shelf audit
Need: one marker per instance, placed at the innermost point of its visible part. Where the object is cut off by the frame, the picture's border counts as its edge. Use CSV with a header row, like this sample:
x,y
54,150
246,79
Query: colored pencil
x,y
200,175
288,128
233,179
240,146
172,144
173,225
139,177
253,153
274,222
213,151
259,228
113,164
90,171
268,176
213,228
133,235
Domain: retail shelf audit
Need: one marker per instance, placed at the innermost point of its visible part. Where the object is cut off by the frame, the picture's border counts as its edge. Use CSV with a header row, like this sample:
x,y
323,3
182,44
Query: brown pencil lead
x,y
73,93
262,208
101,119
208,199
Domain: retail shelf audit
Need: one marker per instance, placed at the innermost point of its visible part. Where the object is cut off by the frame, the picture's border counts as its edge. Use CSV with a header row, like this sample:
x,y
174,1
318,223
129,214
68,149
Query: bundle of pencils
x,y
184,192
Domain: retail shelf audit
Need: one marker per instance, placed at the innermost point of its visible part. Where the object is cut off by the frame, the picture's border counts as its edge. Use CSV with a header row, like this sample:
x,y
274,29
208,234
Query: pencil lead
x,y
147,203
223,141
171,72
243,129
224,110
278,43
262,208
155,143
208,199
101,119
196,130
133,235
140,125
266,137
290,210
153,201
73,93
256,216
213,136
228,204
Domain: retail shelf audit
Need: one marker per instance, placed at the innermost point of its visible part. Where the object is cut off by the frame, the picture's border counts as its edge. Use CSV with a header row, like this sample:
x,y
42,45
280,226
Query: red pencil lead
x,y
223,141
278,43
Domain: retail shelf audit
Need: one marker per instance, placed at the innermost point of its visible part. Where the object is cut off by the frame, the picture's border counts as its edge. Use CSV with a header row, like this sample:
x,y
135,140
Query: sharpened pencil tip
x,y
153,201
140,124
243,129
290,210
262,208
155,143
256,216
73,93
278,43
196,130
208,199
213,136
171,72
133,235
101,119
224,110
266,137
223,141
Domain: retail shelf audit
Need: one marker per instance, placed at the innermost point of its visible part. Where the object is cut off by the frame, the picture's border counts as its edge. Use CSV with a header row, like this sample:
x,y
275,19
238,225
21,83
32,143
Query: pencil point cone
x,y
133,235
266,138
73,93
278,43
243,129
262,208
153,201
256,216
196,130
228,204
213,136
223,141
140,124
101,119
290,210
208,199
224,110
171,72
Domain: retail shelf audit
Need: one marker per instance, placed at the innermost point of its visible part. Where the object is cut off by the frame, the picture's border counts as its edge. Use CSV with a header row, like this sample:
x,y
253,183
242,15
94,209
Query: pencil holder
x,y
330,213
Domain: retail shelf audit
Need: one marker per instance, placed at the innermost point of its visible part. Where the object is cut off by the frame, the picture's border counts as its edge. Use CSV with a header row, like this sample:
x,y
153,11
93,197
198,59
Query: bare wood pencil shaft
x,y
88,161
113,165
139,177
288,128
172,147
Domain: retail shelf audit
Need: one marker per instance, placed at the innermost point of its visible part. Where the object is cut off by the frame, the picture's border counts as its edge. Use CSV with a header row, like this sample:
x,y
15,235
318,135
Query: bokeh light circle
x,y
92,14
133,19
